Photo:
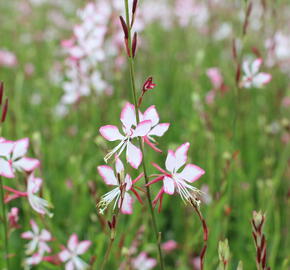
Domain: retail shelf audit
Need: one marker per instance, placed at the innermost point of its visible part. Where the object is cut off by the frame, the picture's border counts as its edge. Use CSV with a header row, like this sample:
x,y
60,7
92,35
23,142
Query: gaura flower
x,y
157,129
38,204
70,255
13,218
33,186
38,240
174,181
143,262
252,77
131,131
120,194
12,157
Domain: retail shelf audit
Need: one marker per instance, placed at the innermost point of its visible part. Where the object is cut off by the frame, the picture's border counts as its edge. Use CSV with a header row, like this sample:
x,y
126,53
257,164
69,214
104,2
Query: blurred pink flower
x,y
174,181
252,77
39,239
70,255
286,102
13,218
108,175
7,59
169,246
143,262
131,130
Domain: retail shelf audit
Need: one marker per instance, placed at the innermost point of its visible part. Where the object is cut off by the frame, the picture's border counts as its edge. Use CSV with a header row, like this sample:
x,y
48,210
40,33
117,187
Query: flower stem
x,y
4,217
133,87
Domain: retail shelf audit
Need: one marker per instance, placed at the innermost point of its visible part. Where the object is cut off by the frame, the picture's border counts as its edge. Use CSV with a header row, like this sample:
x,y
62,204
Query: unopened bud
x,y
134,44
1,92
4,112
125,28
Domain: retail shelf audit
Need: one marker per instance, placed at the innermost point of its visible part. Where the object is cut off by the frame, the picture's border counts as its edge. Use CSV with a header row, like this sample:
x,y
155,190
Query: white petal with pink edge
x,y
108,175
170,161
26,164
83,247
168,185
128,182
133,155
191,173
127,204
151,114
20,148
27,235
70,266
64,255
159,130
181,155
142,129
128,116
119,165
6,169
111,133
6,148
256,65
262,79
72,242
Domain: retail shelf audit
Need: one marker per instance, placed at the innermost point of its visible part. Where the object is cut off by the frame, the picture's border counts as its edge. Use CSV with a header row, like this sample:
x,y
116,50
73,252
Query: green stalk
x,y
5,226
134,92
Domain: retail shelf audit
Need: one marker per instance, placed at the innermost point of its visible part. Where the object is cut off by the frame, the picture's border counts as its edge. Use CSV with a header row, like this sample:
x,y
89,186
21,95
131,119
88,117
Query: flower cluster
x,y
38,249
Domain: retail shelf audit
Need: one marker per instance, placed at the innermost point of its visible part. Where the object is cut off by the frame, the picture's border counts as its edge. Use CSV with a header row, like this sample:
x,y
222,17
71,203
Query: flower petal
x,y
45,235
73,242
119,165
191,173
170,162
27,235
26,164
261,79
256,65
6,169
83,247
133,155
168,185
64,255
69,266
108,175
6,148
128,182
20,148
142,129
128,116
127,204
159,130
181,155
111,133
151,114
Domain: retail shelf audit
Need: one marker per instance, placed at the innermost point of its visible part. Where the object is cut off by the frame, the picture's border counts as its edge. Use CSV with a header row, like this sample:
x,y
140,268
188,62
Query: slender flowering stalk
x,y
128,42
4,216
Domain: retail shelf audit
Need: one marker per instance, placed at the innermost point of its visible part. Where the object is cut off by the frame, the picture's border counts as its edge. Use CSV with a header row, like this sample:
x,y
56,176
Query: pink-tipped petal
x,y
142,129
108,175
170,162
6,169
128,182
191,173
168,185
26,164
127,204
64,255
181,155
70,265
45,235
256,65
262,79
159,130
83,247
111,133
27,235
133,155
20,148
6,148
151,114
128,116
119,165
73,242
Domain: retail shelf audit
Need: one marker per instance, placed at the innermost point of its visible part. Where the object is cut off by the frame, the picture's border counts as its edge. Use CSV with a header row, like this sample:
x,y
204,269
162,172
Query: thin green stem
x,y
134,92
5,226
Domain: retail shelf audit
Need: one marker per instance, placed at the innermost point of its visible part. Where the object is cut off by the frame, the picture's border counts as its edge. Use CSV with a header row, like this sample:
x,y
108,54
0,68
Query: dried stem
x,y
133,87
